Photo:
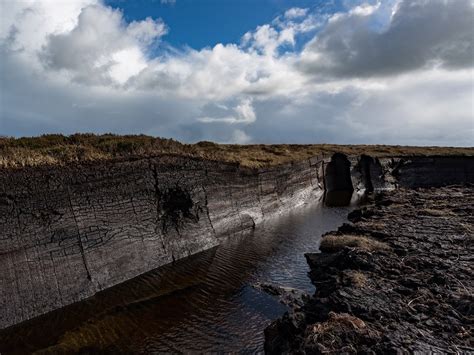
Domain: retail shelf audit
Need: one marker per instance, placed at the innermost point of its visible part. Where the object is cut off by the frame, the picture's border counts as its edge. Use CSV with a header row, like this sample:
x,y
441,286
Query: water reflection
x,y
203,303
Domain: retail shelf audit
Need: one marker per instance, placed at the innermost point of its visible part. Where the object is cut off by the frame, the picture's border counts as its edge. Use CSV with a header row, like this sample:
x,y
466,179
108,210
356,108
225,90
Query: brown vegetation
x,y
338,334
334,243
57,149
356,278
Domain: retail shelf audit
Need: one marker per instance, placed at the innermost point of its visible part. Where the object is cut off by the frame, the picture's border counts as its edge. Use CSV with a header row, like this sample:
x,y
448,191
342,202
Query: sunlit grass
x,y
59,150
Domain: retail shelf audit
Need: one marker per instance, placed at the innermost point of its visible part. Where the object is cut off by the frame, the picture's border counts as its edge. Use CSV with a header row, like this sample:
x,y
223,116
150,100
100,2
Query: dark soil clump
x,y
406,286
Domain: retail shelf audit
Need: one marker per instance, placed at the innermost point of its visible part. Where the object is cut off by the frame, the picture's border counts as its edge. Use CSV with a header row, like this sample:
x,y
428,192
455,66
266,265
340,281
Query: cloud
x,y
240,137
391,72
295,12
420,34
219,74
269,38
147,31
101,48
168,2
242,113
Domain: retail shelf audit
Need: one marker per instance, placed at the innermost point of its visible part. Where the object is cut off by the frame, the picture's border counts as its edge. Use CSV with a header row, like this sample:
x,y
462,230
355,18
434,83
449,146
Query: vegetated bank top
x,y
57,149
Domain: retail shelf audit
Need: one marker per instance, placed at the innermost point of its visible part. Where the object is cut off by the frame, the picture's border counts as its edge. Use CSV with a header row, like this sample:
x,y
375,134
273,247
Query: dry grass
x,y
334,243
339,321
378,225
59,150
338,334
357,278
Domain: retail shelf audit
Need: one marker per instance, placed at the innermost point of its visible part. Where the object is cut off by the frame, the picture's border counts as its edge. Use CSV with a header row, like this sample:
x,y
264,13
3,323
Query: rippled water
x,y
202,303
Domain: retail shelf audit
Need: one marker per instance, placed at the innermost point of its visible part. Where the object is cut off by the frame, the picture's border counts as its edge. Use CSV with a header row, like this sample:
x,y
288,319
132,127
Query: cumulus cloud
x,y
420,34
101,49
398,71
26,24
219,73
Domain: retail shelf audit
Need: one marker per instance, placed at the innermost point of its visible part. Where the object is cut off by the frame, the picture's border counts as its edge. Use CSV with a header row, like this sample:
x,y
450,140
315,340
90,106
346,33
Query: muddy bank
x,y
398,278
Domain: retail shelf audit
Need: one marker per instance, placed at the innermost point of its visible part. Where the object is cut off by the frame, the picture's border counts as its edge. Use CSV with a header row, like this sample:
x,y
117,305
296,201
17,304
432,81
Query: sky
x,y
240,71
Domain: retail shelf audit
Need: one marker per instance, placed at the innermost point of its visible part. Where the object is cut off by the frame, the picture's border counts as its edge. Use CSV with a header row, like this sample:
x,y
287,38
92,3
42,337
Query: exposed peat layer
x,y
398,278
82,213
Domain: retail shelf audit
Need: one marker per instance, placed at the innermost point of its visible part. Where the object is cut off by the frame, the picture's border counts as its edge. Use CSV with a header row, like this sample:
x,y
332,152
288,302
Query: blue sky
x,y
201,23
247,71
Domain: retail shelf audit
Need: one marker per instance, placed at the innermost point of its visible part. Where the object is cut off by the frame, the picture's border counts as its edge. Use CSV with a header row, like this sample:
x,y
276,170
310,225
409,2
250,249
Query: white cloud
x,y
168,2
101,49
419,34
242,113
295,12
219,73
363,76
268,38
240,137
364,9
146,31
26,24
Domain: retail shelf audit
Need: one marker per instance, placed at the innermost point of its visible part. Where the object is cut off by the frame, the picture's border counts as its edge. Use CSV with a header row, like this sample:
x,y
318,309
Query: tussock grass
x,y
339,321
334,243
357,278
57,149
338,334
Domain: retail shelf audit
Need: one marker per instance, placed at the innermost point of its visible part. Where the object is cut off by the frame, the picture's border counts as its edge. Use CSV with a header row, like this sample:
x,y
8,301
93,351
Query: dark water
x,y
203,303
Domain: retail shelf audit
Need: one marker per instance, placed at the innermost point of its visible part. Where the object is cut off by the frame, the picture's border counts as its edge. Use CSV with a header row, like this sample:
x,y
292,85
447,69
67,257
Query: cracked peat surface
x,y
206,302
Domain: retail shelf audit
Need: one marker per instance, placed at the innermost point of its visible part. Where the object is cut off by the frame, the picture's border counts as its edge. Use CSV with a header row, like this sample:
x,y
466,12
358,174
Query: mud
x,y
406,286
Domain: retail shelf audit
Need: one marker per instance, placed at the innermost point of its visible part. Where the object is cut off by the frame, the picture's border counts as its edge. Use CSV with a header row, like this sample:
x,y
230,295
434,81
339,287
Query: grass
x,y
338,334
339,321
334,243
57,149
357,278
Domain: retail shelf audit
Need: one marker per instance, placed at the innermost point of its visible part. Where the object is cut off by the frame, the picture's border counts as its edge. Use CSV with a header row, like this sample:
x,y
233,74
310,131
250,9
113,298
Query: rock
x,y
288,296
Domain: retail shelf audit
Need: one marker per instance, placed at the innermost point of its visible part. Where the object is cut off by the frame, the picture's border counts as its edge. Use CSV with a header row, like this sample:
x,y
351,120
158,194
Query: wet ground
x,y
203,303
400,279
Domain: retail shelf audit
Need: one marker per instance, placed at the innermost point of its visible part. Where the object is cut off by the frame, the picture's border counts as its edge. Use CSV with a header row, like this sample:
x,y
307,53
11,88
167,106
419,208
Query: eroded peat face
x,y
177,205
337,181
